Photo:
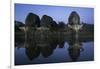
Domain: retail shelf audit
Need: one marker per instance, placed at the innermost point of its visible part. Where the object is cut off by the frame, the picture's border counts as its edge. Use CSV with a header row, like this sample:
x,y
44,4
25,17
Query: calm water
x,y
42,49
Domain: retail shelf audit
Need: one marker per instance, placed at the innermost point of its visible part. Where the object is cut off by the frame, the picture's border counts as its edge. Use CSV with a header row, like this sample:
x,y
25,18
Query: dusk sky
x,y
58,13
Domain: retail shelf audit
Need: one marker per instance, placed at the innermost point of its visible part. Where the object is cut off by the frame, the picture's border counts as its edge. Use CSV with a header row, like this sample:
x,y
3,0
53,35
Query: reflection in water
x,y
37,45
75,47
46,44
74,50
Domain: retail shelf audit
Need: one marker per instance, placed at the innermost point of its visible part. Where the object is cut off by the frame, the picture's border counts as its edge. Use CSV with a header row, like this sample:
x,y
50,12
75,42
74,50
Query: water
x,y
53,49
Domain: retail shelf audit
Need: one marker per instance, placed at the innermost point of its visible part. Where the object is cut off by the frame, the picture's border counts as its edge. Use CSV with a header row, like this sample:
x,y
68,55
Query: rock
x,y
32,20
31,23
46,21
74,18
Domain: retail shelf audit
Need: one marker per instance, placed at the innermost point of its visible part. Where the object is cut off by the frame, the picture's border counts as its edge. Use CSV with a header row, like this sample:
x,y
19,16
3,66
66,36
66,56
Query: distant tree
x,y
17,28
54,25
17,25
61,25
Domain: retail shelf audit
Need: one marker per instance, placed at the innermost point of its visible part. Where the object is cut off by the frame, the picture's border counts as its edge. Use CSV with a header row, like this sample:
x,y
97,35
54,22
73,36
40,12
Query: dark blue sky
x,y
58,13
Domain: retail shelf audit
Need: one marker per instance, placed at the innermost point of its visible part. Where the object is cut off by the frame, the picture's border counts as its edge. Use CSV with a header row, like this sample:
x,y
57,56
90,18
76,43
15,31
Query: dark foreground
x,y
53,47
